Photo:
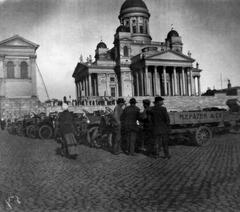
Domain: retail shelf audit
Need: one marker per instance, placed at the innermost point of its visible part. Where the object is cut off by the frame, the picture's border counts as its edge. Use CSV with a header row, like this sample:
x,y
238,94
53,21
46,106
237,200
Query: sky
x,y
65,29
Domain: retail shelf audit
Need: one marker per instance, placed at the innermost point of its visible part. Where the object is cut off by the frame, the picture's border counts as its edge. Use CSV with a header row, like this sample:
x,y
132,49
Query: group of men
x,y
126,121
155,121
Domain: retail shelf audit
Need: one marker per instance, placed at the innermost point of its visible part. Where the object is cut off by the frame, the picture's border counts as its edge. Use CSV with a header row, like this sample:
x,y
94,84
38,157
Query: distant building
x,y
229,91
18,68
136,65
18,87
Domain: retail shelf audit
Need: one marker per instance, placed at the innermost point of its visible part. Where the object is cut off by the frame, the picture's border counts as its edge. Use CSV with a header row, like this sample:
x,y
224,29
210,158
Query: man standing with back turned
x,y
129,119
118,110
160,121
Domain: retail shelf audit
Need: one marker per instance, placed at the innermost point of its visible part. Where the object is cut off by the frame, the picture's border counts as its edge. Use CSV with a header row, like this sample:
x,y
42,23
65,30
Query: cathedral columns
x,y
142,82
90,84
189,81
199,86
175,81
80,88
156,82
147,84
165,80
184,82
194,86
137,84
85,86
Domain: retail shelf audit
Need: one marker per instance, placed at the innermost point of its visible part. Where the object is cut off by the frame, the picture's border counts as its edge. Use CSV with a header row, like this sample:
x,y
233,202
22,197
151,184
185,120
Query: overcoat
x,y
65,122
160,120
129,118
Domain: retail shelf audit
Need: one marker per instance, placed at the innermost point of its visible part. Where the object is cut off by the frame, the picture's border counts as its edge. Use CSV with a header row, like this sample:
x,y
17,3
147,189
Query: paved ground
x,y
194,179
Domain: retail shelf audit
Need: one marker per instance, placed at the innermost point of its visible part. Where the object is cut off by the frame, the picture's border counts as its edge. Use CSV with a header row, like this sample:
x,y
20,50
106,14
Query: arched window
x,y
125,51
24,70
10,70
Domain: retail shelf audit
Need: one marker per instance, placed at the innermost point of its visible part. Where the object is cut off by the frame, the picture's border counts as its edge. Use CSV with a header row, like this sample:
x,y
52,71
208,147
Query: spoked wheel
x,y
31,131
45,132
203,136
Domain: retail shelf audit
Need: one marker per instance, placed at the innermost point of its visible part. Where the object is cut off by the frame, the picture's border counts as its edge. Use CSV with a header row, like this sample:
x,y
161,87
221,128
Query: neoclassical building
x,y
136,65
18,86
17,68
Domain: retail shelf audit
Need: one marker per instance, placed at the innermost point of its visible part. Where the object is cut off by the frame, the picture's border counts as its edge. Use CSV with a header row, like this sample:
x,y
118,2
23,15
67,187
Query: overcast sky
x,y
65,29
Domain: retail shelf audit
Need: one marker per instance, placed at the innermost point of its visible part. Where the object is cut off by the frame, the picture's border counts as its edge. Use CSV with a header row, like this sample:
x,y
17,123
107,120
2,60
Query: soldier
x,y
66,128
130,116
118,110
160,121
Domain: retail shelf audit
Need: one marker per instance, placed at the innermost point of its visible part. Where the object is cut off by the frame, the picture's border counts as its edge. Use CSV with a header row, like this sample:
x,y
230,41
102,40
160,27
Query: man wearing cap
x,y
66,129
118,110
130,116
160,121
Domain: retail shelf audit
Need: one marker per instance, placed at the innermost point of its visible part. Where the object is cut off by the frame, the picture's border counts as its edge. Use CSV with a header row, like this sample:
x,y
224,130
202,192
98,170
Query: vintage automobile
x,y
197,127
100,130
40,126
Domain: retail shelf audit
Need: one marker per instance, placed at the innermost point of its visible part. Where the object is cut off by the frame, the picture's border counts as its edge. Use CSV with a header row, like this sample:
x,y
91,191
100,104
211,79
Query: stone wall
x,y
173,103
11,108
185,103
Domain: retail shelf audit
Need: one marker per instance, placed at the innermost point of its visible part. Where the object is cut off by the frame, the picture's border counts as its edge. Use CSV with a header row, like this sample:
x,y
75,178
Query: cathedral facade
x,y
136,65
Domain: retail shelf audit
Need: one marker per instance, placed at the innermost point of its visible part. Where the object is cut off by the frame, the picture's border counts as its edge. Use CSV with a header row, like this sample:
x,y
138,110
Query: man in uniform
x,y
160,125
130,116
118,110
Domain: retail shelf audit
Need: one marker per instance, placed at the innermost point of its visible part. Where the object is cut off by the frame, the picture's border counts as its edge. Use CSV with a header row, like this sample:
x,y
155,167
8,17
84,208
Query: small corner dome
x,y
122,28
102,45
172,33
133,3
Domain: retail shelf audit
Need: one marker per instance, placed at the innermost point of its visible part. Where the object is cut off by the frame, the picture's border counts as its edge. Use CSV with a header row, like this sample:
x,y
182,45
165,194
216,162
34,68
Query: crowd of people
x,y
126,131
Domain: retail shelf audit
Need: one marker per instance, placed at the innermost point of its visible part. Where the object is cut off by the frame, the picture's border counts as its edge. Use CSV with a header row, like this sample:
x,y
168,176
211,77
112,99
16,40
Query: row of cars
x,y
46,126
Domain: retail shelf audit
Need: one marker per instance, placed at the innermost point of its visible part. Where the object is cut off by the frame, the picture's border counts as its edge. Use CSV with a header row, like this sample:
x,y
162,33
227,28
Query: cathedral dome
x,y
172,33
133,3
101,45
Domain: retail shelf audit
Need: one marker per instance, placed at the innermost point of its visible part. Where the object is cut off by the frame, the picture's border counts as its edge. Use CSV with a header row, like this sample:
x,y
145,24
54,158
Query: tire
x,y
203,136
45,132
31,131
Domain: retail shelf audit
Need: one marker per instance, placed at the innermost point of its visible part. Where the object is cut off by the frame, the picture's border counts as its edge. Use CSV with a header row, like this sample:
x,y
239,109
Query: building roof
x,y
133,3
19,38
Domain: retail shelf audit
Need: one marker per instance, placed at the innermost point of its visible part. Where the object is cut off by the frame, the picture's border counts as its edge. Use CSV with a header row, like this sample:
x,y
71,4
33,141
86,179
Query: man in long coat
x,y
118,110
129,118
160,126
66,128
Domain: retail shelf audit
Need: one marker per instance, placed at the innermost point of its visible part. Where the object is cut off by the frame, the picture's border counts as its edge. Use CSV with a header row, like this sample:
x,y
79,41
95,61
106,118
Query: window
x,y
24,70
141,28
125,51
134,26
134,29
10,70
113,91
112,79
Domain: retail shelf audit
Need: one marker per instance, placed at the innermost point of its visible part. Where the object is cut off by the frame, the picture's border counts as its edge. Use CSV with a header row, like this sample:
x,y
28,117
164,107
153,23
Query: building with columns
x,y
18,86
136,65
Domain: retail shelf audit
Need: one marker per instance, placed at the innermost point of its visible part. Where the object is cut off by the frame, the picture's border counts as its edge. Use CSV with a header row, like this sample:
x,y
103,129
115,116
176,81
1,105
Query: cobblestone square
x,y
194,179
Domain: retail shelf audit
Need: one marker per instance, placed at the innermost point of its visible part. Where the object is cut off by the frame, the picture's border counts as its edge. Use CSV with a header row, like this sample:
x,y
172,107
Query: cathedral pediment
x,y
18,41
169,55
